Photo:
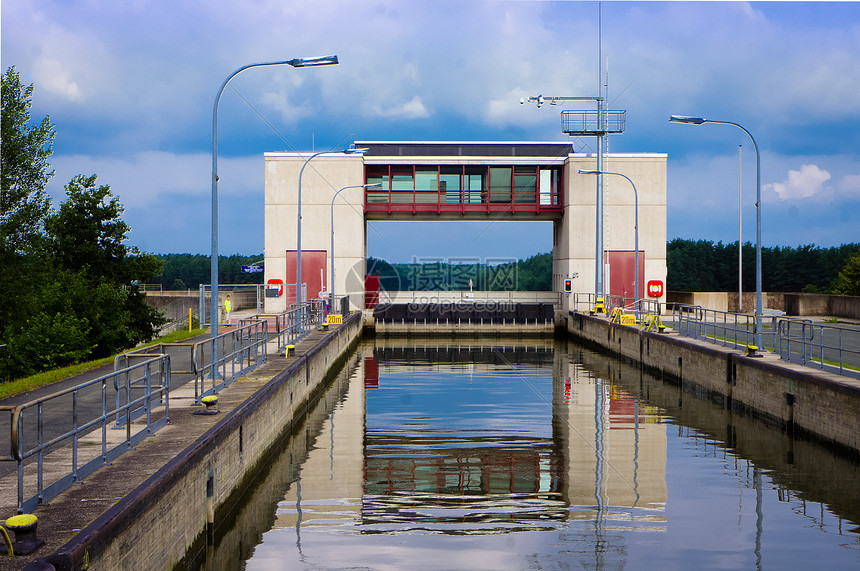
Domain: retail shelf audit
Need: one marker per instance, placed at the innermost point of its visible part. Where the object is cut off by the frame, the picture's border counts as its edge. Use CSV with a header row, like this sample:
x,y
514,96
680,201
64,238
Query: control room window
x,y
377,175
449,184
402,184
525,184
475,181
500,184
426,184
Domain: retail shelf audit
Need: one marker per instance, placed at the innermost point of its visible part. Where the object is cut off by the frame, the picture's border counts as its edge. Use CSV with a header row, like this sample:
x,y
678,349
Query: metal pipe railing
x,y
795,340
238,349
154,380
825,347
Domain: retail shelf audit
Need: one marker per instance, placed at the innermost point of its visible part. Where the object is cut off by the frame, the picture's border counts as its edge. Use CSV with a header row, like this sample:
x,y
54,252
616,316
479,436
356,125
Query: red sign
x,y
655,288
275,285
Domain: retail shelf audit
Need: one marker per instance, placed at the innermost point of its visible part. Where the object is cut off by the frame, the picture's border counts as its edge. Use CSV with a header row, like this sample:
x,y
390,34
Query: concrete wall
x,y
574,237
322,178
153,527
815,403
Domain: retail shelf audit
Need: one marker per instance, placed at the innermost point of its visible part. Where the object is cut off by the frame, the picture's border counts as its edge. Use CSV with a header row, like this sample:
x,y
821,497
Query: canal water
x,y
534,454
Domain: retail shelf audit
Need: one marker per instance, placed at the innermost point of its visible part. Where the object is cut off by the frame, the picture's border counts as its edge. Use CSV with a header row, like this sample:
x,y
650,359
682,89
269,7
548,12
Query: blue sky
x,y
130,87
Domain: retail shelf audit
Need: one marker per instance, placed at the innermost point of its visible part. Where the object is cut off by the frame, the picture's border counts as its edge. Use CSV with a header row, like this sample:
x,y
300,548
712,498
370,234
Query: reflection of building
x,y
615,447
597,453
465,181
332,471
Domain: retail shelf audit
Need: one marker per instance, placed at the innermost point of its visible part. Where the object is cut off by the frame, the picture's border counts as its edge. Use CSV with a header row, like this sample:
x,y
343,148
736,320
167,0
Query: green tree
x,y
87,238
848,281
25,151
88,231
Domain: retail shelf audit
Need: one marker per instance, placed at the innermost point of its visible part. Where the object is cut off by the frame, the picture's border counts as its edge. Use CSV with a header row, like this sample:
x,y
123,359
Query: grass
x,y
25,384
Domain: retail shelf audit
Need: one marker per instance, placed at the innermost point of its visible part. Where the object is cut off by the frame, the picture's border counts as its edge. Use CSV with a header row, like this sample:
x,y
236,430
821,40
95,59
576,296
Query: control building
x,y
427,181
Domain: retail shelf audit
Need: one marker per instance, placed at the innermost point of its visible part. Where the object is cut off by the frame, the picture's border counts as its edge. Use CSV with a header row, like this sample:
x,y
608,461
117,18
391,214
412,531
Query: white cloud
x,y
412,109
808,182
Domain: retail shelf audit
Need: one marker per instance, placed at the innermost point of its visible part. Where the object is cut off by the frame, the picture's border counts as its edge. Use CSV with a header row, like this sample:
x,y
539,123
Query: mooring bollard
x,y
211,403
24,528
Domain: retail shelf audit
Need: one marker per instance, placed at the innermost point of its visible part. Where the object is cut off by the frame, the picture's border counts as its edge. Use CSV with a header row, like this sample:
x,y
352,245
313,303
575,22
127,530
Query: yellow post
x,y
189,319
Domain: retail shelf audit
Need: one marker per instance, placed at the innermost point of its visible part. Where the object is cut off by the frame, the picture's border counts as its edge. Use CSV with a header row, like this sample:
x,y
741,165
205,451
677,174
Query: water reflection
x,y
496,454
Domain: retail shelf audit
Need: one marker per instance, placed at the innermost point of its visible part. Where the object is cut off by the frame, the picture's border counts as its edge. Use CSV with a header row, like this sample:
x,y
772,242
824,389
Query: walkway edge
x,y
154,525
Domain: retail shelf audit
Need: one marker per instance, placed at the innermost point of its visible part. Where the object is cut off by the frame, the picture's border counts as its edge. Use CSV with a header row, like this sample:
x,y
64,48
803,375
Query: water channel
x,y
533,454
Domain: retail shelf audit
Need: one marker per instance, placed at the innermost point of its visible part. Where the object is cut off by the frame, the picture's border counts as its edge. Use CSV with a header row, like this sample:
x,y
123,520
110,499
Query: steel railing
x,y
586,302
826,347
288,327
721,327
238,350
124,385
47,426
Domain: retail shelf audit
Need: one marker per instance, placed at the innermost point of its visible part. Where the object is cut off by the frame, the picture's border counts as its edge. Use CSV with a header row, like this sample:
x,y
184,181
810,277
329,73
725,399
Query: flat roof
x,y
465,148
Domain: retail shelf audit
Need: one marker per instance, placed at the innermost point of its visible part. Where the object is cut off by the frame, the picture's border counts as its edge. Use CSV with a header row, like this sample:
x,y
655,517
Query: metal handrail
x,y
589,300
721,327
123,362
795,340
156,391
238,348
809,345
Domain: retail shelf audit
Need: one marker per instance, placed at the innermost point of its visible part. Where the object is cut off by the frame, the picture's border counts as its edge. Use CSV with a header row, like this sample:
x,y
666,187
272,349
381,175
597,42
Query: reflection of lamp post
x,y
758,301
331,253
636,234
299,220
299,62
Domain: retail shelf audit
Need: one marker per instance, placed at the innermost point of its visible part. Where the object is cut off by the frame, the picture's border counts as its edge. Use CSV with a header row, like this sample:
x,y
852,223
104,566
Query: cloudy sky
x,y
130,86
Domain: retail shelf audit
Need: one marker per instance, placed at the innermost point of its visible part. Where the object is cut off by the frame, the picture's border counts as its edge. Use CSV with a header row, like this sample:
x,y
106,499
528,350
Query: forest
x,y
701,265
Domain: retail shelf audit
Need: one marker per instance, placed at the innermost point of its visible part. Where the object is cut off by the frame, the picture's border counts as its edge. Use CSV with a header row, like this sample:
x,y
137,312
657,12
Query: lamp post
x,y
299,219
600,133
758,300
298,62
636,234
331,252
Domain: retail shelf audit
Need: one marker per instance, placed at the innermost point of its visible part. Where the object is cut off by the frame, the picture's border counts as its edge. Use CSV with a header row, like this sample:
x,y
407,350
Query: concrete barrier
x,y
155,525
821,405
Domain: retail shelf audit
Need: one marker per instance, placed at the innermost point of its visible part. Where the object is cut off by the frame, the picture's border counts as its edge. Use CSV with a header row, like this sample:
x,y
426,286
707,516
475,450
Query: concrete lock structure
x,y
429,181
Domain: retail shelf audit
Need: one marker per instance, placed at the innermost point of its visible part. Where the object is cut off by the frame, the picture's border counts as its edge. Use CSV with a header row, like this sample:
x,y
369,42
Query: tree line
x,y
188,271
531,274
693,265
702,265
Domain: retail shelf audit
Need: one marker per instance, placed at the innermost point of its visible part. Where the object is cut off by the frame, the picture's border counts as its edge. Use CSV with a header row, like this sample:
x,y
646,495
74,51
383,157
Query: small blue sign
x,y
252,269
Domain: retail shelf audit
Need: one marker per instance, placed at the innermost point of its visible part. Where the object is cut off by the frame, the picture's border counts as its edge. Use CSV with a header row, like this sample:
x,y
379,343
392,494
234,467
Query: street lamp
x,y
758,300
601,132
331,252
636,234
298,62
299,219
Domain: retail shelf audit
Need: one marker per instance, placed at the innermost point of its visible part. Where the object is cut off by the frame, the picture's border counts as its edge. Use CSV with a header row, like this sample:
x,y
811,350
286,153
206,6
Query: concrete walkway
x,y
77,507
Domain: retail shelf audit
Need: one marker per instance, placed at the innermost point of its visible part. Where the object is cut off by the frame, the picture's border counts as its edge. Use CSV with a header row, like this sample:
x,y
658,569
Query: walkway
x,y
77,507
